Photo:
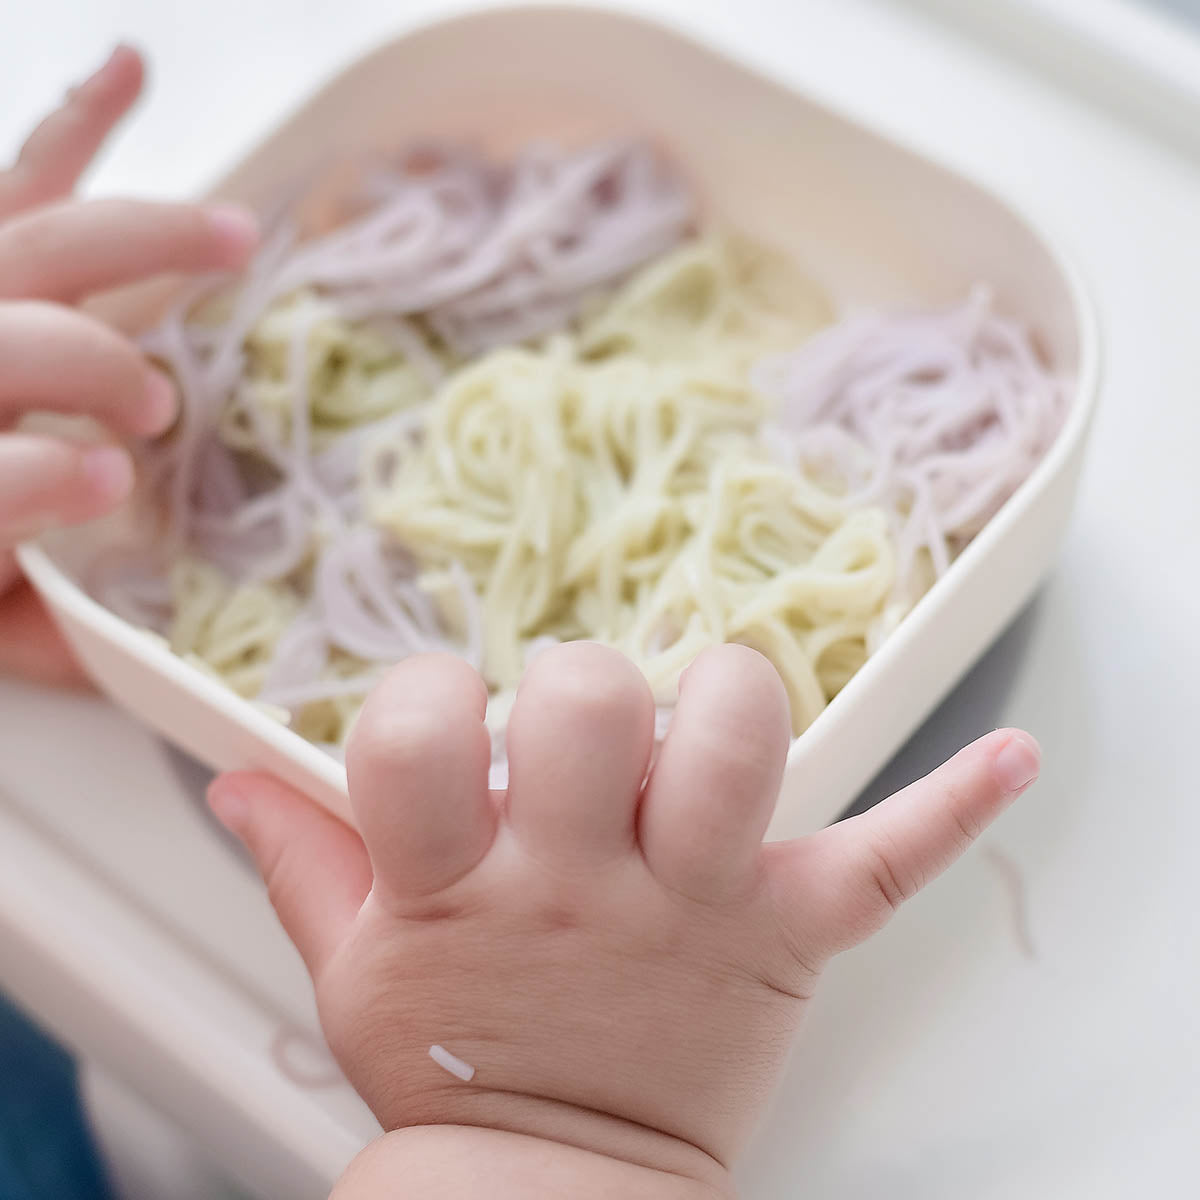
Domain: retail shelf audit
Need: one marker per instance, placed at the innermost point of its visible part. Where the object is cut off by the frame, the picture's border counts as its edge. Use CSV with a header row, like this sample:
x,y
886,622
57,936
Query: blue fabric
x,y
46,1149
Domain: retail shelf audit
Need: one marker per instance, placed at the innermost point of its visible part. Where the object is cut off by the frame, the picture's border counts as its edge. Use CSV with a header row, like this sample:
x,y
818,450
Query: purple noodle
x,y
937,416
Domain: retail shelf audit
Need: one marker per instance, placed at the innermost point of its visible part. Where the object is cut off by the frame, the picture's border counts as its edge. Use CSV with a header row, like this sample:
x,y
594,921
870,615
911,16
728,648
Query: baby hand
x,y
55,252
620,959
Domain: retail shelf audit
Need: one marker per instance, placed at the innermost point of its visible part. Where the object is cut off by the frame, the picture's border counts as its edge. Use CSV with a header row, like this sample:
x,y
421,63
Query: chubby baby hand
x,y
608,955
54,253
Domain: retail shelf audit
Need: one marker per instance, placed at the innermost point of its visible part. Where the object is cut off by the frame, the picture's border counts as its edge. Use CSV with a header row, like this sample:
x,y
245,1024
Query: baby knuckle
x,y
399,737
588,677
888,884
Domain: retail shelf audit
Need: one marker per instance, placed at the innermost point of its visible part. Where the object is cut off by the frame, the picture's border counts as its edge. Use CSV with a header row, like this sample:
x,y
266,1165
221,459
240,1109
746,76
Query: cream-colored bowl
x,y
873,222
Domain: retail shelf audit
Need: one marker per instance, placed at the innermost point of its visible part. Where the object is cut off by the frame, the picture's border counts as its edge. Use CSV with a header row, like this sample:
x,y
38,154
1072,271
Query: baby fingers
x,y
60,148
59,360
45,481
840,885
69,251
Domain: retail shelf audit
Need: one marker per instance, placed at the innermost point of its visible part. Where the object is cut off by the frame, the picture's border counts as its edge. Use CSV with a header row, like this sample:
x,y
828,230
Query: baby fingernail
x,y
160,403
108,471
1018,762
236,230
228,805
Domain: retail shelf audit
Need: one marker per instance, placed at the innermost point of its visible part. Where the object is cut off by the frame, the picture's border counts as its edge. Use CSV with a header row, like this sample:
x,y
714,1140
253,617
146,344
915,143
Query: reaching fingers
x,y
69,251
839,886
579,741
316,869
59,360
717,778
417,761
60,148
46,481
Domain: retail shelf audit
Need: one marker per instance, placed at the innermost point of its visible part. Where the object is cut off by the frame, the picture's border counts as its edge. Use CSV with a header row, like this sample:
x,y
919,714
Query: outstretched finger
x,y
837,887
60,148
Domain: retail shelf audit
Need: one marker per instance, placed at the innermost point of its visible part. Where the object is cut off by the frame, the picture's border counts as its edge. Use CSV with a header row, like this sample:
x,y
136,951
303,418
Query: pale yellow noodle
x,y
231,630
607,483
612,486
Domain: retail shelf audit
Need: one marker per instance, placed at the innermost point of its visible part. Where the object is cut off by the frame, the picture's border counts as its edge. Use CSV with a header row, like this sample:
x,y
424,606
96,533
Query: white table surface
x,y
943,1060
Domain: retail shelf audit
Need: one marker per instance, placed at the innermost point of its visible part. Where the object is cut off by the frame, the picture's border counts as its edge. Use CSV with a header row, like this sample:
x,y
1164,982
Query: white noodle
x,y
448,1062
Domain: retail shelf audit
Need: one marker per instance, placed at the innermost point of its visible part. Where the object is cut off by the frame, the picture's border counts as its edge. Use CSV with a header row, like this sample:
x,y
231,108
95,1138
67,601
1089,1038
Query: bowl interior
x,y
873,223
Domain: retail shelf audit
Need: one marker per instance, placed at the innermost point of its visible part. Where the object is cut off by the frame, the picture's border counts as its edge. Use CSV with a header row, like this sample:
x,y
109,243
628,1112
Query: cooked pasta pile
x,y
503,407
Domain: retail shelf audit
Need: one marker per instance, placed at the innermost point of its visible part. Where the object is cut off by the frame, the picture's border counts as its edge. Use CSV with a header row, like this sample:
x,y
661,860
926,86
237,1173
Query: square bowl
x,y
873,222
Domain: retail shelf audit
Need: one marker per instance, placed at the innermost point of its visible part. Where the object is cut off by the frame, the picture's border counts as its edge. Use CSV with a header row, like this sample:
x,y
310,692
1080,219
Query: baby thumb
x,y
316,869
